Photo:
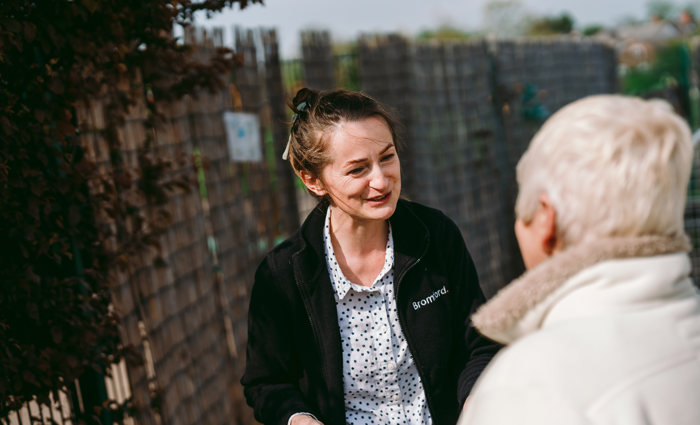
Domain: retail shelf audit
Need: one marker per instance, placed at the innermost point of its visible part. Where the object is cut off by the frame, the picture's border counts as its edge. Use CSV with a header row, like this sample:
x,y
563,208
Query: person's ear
x,y
313,183
546,222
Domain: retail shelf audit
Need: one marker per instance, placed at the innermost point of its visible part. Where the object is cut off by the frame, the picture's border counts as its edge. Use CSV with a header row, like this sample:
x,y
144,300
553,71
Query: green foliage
x,y
345,47
346,66
592,30
444,33
292,76
667,70
532,109
562,24
57,251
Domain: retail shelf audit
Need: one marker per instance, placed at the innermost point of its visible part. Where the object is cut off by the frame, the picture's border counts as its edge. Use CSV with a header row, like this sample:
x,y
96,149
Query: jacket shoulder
x,y
280,256
435,221
419,209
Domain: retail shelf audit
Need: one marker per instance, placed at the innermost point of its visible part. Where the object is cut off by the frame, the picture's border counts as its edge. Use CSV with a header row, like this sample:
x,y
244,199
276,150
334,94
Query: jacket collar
x,y
521,306
411,237
312,241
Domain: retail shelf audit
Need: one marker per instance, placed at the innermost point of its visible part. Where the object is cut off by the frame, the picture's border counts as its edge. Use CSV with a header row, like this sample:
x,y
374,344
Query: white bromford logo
x,y
430,298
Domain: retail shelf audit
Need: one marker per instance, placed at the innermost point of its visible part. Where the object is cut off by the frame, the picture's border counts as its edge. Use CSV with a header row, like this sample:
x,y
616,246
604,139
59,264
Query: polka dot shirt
x,y
381,382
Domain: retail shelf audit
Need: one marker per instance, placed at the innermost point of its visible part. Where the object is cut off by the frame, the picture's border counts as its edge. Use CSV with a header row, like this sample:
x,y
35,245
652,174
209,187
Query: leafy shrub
x,y
55,319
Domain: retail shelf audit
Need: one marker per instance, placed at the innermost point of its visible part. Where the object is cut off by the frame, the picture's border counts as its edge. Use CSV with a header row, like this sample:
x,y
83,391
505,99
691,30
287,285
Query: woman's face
x,y
363,179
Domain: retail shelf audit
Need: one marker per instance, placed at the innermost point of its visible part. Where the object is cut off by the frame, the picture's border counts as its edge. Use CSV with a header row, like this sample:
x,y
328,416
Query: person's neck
x,y
357,237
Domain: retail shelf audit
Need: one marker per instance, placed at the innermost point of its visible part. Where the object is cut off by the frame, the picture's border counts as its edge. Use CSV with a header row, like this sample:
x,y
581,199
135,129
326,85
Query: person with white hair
x,y
604,326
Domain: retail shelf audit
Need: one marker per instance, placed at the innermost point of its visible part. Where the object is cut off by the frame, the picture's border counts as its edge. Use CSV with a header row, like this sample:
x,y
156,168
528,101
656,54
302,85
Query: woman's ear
x,y
313,183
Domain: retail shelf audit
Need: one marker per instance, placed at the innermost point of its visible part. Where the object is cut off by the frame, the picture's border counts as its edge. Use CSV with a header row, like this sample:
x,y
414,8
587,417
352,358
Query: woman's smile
x,y
363,178
381,198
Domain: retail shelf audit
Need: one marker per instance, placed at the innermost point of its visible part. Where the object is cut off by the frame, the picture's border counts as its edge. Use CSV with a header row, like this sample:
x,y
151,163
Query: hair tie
x,y
301,107
285,154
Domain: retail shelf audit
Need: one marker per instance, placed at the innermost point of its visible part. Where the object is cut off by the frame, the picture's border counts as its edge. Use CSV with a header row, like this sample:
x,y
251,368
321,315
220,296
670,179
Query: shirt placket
x,y
389,411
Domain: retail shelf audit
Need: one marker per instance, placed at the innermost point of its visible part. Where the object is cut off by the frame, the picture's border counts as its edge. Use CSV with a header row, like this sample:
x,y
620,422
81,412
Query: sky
x,y
346,19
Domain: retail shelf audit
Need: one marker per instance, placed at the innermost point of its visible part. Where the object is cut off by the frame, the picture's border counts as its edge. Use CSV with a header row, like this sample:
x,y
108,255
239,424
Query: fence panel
x,y
469,110
536,77
692,215
284,179
60,411
185,305
317,57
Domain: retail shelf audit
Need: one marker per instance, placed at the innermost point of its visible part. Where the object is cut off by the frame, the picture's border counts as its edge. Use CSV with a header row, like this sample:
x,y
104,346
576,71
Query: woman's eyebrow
x,y
358,160
388,146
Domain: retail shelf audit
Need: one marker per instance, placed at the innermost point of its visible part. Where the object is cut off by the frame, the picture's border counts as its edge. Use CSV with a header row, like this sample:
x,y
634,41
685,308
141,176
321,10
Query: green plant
x,y
444,33
562,24
667,70
591,30
65,226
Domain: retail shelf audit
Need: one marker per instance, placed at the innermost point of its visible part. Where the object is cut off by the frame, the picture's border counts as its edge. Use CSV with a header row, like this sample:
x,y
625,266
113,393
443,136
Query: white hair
x,y
611,166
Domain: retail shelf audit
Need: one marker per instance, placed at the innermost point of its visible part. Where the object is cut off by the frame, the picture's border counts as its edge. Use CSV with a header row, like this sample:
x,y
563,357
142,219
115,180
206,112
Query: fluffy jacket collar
x,y
503,318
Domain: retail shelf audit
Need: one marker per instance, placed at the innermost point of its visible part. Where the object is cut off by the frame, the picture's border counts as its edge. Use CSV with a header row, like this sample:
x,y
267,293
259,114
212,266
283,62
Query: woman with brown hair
x,y
361,316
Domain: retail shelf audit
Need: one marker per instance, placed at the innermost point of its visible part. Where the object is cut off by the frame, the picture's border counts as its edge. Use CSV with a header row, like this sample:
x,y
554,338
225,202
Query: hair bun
x,y
304,99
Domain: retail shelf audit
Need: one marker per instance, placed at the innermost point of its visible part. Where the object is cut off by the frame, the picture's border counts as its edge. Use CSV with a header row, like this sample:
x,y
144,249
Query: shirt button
x,y
384,329
395,397
391,366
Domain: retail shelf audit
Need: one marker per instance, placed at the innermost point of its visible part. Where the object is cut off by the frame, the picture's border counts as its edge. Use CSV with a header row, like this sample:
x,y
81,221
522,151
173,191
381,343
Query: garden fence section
x,y
692,210
469,110
185,306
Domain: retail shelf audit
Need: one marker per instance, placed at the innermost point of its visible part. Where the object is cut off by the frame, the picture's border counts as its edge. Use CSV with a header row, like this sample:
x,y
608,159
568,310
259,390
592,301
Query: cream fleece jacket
x,y
603,333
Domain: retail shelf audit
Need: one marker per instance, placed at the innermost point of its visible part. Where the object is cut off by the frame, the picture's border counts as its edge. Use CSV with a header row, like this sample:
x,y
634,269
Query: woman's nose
x,y
378,179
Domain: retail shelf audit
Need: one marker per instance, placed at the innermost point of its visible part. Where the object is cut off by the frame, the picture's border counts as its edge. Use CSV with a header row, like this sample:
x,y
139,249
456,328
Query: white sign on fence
x,y
243,136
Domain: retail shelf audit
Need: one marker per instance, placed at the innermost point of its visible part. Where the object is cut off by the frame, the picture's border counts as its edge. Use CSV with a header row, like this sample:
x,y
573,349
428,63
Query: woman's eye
x,y
355,171
388,157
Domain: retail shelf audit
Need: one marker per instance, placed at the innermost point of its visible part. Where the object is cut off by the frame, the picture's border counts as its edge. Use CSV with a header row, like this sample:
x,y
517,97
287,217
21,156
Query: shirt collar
x,y
341,285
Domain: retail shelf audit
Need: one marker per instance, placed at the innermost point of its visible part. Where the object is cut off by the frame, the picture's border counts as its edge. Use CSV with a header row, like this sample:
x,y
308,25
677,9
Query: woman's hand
x,y
304,420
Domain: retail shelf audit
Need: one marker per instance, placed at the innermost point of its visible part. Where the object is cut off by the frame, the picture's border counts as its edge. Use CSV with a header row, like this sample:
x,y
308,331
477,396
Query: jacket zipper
x,y
404,327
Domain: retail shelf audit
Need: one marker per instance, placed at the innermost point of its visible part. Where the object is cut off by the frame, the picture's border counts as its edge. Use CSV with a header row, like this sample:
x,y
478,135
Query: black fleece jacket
x,y
294,357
